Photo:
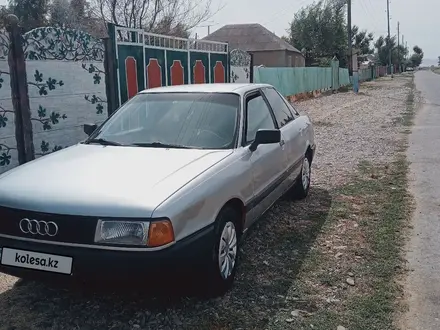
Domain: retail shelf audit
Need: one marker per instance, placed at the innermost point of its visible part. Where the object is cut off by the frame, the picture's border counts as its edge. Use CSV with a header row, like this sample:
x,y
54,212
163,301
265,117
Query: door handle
x,y
282,142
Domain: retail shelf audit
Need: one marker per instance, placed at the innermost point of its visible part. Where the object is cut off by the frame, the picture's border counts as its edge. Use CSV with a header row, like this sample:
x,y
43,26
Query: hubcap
x,y
306,173
227,251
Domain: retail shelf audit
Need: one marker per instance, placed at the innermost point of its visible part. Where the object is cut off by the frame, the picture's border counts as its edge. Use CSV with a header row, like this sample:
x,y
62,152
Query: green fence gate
x,y
146,60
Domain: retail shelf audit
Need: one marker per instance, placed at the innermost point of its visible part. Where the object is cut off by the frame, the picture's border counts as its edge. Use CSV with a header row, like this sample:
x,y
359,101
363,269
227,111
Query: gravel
x,y
349,129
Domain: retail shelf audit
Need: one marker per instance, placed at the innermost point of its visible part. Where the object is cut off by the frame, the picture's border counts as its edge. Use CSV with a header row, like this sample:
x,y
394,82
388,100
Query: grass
x,y
362,239
436,70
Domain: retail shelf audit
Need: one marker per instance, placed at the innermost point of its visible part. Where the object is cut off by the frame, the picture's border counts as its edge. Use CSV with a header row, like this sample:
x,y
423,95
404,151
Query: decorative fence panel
x,y
64,68
65,91
147,60
241,66
8,145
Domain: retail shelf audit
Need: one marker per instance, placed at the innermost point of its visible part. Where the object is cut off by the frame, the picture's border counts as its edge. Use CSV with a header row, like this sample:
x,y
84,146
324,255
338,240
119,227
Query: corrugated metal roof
x,y
250,37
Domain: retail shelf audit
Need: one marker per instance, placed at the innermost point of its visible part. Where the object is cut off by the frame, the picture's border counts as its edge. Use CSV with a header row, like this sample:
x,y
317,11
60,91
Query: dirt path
x,y
350,129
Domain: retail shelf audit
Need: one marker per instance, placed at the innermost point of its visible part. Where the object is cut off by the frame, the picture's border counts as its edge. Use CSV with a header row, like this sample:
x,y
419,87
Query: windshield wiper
x,y
160,145
104,142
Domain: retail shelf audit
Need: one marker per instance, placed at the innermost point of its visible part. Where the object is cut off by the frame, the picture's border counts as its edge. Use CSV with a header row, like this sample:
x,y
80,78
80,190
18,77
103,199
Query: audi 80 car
x,y
173,178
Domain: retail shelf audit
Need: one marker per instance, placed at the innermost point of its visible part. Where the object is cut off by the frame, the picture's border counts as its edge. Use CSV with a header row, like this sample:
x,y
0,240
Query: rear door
x,y
291,129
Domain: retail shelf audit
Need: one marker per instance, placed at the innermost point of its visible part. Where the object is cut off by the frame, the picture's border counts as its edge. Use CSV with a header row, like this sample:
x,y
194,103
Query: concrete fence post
x,y
19,93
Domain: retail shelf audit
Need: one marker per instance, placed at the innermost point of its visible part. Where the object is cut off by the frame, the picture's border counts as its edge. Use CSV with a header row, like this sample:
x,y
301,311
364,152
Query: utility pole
x,y
350,51
389,39
406,47
398,45
403,44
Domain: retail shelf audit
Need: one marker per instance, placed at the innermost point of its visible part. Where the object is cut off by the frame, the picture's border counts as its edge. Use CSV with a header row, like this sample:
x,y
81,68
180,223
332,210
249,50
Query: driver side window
x,y
258,117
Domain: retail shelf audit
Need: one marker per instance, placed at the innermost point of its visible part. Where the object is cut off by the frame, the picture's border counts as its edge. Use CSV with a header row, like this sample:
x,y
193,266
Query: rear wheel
x,y
302,184
224,255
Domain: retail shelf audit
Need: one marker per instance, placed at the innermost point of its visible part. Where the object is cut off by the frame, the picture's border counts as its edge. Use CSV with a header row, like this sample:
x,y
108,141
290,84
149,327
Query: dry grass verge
x,y
350,279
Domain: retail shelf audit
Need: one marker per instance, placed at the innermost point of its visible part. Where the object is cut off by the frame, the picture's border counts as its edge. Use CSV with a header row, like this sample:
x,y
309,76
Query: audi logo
x,y
32,226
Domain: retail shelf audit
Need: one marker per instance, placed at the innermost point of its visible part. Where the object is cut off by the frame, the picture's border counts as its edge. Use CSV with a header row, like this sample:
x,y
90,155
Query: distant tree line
x,y
319,30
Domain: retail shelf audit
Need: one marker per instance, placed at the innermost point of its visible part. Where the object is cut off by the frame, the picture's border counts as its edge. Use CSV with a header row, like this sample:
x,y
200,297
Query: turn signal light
x,y
160,233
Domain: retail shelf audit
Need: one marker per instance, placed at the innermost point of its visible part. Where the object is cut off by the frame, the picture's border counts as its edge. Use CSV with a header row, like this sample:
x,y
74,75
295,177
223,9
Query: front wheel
x,y
223,260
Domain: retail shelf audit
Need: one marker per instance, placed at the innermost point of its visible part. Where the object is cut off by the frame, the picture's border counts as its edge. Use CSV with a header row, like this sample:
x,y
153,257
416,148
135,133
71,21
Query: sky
x,y
419,20
417,28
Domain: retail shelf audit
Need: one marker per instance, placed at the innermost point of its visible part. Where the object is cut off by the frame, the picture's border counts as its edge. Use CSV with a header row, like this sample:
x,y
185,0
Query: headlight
x,y
144,233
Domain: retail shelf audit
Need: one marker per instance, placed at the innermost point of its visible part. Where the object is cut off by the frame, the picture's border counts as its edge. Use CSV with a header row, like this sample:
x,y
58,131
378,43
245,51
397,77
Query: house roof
x,y
250,37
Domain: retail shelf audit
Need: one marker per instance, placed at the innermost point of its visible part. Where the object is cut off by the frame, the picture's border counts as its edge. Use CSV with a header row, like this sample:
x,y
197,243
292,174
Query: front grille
x,y
71,229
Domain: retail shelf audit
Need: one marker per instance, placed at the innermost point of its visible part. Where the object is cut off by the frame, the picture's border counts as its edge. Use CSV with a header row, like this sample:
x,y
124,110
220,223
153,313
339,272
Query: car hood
x,y
100,180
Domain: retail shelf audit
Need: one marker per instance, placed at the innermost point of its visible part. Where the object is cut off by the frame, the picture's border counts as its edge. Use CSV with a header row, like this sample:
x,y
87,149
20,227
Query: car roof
x,y
207,88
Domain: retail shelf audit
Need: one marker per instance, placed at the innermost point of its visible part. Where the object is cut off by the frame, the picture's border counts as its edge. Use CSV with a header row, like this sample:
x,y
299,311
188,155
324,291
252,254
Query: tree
x,y
79,10
168,26
362,40
439,61
4,12
319,30
153,15
383,46
60,13
416,58
31,13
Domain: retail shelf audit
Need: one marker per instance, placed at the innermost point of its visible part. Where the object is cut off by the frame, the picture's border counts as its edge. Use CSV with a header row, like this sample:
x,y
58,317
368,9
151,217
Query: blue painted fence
x,y
293,81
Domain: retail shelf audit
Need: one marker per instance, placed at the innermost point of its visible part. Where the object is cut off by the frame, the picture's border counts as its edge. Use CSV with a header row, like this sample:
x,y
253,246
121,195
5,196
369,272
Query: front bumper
x,y
93,263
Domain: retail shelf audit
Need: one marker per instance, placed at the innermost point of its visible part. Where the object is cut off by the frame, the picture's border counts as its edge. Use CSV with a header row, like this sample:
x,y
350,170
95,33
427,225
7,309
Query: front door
x,y
292,128
267,161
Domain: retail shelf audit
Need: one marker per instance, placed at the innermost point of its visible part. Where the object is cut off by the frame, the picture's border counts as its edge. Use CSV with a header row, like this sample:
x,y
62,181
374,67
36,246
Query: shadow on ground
x,y
272,255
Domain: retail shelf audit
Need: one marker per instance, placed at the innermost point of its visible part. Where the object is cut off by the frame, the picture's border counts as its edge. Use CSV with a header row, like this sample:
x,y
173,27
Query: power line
x,y
275,15
367,11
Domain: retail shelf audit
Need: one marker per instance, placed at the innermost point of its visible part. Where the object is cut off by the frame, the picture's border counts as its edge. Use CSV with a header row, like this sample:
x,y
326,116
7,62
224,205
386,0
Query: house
x,y
267,48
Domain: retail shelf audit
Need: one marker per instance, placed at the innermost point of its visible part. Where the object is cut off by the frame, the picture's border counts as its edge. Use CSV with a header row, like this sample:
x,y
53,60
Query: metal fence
x,y
297,80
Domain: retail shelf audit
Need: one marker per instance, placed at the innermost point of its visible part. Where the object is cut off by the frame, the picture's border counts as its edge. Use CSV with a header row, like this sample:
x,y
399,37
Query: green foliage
x,y
383,46
31,13
362,40
319,31
60,13
417,57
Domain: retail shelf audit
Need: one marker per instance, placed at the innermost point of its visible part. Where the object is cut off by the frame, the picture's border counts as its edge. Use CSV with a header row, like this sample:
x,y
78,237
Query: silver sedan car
x,y
173,178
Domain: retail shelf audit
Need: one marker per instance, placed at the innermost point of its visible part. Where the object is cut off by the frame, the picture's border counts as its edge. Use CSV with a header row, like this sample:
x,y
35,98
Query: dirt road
x,y
423,285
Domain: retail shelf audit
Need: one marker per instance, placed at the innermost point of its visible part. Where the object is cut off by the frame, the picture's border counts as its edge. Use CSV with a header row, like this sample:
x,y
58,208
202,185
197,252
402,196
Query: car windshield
x,y
179,120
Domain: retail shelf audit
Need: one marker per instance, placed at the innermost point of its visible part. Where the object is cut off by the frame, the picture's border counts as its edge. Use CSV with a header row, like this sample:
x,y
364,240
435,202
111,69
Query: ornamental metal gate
x,y
147,60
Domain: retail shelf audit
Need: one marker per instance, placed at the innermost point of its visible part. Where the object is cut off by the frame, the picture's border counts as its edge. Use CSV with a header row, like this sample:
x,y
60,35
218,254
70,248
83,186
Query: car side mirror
x,y
90,128
265,136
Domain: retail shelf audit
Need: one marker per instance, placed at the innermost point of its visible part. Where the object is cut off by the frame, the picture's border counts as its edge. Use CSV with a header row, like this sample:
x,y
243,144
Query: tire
x,y
222,267
302,185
